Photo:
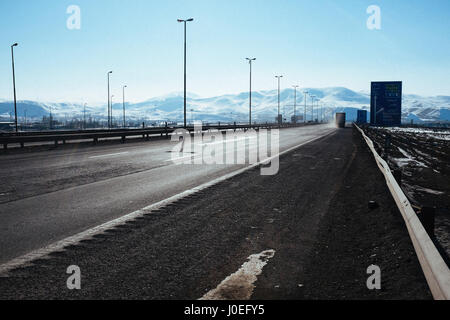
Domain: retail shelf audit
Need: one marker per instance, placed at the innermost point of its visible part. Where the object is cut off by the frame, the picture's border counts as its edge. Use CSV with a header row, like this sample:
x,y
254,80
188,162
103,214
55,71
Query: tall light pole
x,y
14,85
109,103
185,21
51,118
312,107
295,102
250,92
317,110
84,116
123,91
304,114
278,77
112,96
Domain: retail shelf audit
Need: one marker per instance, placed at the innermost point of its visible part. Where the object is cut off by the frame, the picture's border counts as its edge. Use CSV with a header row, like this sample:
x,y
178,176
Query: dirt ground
x,y
423,156
353,237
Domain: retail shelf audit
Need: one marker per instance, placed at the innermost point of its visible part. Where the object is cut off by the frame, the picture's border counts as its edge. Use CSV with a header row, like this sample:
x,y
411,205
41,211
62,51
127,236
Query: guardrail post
x,y
56,143
5,146
22,144
235,126
165,128
426,216
123,139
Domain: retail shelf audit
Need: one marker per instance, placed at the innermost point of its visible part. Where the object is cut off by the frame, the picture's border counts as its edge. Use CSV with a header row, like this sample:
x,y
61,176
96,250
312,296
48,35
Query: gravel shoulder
x,y
353,237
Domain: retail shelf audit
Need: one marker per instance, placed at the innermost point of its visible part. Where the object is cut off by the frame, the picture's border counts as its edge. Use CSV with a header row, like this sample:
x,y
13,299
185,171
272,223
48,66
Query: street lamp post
x,y
250,92
112,96
295,102
14,85
185,21
109,103
84,116
317,109
123,90
304,114
278,77
312,107
51,119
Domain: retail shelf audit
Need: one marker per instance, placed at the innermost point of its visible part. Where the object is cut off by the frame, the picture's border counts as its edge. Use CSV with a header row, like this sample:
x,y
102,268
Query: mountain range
x,y
234,107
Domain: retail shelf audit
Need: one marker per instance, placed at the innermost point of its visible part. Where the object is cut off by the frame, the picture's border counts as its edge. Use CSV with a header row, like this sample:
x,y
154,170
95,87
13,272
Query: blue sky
x,y
316,43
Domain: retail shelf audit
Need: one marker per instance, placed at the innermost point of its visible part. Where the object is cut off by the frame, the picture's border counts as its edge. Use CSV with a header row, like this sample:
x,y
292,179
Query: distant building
x,y
386,103
361,117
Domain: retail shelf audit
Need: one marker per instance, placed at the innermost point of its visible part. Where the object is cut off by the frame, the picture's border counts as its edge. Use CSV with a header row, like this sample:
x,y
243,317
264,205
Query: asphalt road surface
x,y
49,195
303,233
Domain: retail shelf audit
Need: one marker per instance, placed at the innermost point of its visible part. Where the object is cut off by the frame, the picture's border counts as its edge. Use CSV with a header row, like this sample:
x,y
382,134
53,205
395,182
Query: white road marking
x,y
240,285
224,141
109,155
180,158
60,245
208,144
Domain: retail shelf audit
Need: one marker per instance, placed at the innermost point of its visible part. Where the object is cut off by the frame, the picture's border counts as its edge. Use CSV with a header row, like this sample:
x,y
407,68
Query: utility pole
x,y
250,92
295,102
185,21
14,85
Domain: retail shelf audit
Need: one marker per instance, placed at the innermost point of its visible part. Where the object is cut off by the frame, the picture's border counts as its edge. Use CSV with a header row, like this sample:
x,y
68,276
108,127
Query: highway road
x,y
304,233
49,195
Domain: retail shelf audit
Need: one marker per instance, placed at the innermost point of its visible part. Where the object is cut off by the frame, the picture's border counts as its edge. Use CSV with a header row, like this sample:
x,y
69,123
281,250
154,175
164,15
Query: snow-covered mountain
x,y
234,107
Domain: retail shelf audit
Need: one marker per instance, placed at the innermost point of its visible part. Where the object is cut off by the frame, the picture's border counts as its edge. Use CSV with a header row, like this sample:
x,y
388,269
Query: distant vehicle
x,y
340,120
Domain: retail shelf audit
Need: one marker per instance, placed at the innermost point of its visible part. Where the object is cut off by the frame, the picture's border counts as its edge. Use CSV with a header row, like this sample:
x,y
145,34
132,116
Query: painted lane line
x,y
75,239
240,285
109,155
224,141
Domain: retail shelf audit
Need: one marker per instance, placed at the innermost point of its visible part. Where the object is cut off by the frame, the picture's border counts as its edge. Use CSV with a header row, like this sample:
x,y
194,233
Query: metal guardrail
x,y
63,136
433,265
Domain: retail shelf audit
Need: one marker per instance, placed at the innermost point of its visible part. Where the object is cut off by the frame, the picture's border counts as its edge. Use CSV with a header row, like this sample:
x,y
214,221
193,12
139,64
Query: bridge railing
x,y
97,134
